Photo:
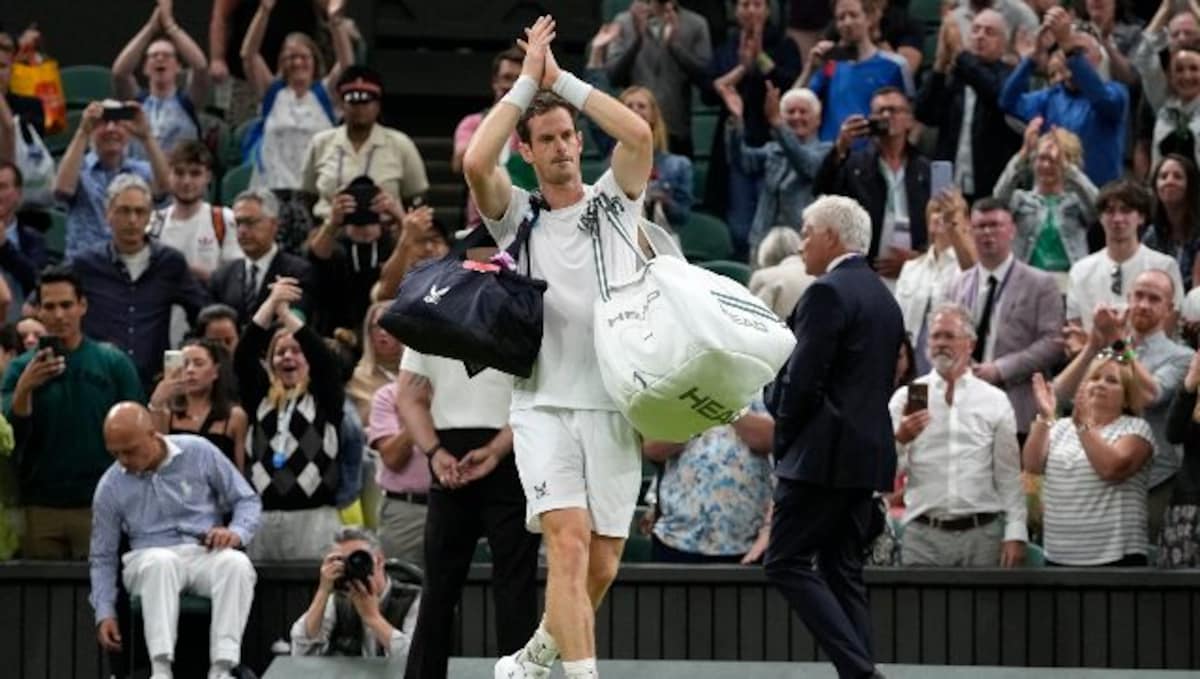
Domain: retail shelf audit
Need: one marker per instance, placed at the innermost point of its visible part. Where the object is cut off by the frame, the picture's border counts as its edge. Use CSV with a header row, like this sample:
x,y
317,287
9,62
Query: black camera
x,y
879,127
357,565
114,110
363,190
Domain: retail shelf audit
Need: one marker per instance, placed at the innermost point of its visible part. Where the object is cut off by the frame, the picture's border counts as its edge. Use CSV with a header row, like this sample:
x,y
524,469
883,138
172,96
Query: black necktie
x,y
250,292
985,321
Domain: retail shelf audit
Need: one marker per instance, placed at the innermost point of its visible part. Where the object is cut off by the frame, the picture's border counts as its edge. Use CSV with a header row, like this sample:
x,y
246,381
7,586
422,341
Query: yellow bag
x,y
42,80
352,515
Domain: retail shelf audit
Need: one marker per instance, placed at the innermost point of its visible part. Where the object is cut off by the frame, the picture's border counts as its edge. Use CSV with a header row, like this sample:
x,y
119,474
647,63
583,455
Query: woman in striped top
x,y
1095,466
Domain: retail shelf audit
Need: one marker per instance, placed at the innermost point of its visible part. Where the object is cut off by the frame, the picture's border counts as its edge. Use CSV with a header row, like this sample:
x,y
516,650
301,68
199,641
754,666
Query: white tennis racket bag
x,y
682,349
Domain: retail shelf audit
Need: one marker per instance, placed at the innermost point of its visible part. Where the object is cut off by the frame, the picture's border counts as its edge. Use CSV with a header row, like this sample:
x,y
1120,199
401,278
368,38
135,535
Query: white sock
x,y
160,667
581,669
220,669
541,648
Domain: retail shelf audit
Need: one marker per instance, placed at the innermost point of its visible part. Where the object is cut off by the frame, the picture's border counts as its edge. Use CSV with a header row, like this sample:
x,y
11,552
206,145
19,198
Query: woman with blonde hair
x,y
781,278
296,104
1095,465
670,187
1054,215
294,453
380,362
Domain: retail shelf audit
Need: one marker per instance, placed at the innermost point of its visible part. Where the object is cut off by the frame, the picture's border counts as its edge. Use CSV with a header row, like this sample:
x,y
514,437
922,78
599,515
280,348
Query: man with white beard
x,y
958,445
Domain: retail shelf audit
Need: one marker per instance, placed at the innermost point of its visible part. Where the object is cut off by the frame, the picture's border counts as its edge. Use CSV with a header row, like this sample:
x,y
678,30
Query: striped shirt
x,y
1090,521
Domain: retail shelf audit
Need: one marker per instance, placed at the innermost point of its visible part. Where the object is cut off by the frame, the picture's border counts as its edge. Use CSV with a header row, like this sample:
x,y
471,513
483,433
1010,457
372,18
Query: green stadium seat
x,y
730,269
236,180
593,168
705,238
85,84
699,107
699,180
704,129
609,9
927,14
57,143
521,173
1035,557
56,236
637,547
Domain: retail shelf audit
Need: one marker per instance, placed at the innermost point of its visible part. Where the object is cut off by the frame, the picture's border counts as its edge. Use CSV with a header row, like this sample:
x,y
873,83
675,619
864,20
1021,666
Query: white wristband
x,y
522,93
574,90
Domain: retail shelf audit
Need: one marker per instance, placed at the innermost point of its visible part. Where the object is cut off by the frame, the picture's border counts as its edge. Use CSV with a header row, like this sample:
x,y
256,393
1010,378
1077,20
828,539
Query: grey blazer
x,y
1029,337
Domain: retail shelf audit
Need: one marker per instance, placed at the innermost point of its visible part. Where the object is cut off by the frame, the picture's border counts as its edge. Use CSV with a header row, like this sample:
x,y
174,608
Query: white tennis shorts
x,y
589,459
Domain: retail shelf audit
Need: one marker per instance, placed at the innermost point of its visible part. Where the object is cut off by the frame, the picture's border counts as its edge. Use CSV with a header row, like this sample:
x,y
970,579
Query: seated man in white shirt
x,y
964,499
1106,277
358,609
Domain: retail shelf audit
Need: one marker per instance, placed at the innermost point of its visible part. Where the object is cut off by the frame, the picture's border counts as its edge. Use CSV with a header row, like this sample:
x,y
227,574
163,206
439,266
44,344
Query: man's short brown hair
x,y
7,45
1128,193
515,54
191,152
543,103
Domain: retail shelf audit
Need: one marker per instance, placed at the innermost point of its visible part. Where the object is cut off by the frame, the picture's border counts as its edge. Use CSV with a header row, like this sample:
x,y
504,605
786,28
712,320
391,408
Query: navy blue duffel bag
x,y
487,315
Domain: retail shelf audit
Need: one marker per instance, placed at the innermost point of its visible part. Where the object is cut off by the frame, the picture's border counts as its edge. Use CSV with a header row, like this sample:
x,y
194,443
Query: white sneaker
x,y
509,667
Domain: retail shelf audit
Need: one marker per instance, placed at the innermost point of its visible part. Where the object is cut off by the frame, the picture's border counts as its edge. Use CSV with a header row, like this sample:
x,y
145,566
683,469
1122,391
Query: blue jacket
x,y
788,167
1096,111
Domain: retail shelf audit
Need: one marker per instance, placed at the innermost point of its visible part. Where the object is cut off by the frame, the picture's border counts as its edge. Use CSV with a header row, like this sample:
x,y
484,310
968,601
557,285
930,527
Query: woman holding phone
x,y
193,398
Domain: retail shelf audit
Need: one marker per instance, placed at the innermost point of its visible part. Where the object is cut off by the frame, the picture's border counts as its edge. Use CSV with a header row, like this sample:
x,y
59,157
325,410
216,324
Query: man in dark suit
x,y
964,89
245,284
22,247
833,439
888,176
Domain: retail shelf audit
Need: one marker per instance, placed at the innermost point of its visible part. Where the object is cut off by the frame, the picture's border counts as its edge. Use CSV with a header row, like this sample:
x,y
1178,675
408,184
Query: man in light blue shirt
x,y
97,154
168,495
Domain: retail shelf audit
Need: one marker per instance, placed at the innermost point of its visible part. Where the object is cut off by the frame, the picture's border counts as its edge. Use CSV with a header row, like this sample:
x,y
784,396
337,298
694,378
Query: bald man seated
x,y
169,494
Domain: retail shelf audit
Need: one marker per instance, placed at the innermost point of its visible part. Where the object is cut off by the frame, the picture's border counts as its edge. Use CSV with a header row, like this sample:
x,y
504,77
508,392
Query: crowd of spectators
x,y
1047,281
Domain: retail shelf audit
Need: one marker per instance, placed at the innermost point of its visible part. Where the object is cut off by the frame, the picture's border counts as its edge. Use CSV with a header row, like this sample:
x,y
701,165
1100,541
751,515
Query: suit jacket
x,y
941,104
860,178
228,283
25,261
830,400
1029,334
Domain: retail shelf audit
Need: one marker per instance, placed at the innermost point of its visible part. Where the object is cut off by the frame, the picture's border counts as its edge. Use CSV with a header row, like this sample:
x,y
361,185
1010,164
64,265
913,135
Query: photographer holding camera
x,y
358,609
888,177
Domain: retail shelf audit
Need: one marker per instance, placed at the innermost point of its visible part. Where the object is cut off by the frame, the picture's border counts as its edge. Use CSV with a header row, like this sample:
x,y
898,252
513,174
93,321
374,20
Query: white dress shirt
x,y
263,264
981,287
966,461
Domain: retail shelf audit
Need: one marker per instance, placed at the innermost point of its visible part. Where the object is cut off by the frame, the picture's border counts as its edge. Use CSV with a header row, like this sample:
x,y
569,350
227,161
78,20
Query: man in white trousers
x,y
578,458
168,495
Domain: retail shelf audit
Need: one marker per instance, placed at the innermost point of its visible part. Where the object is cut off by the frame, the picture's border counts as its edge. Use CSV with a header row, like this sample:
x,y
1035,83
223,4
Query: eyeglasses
x,y
248,222
1118,280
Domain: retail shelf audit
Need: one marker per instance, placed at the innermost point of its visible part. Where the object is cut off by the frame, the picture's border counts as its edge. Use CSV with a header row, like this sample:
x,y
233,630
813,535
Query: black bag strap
x,y
480,236
536,204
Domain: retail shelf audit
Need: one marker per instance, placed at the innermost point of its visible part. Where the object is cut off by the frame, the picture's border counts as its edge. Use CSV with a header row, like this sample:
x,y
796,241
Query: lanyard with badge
x,y
283,426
